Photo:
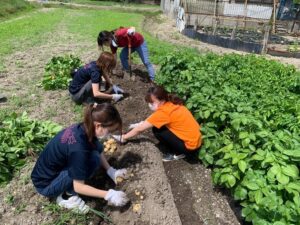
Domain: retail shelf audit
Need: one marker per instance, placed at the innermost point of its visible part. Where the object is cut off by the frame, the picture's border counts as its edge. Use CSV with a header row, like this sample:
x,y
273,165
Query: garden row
x,y
249,108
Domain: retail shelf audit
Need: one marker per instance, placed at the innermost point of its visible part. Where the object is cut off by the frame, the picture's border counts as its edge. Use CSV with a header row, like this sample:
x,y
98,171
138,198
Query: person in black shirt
x,y
87,80
74,155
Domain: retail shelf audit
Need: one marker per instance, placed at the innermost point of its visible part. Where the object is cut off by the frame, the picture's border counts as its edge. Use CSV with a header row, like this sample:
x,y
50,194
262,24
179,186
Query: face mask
x,y
114,44
153,106
104,135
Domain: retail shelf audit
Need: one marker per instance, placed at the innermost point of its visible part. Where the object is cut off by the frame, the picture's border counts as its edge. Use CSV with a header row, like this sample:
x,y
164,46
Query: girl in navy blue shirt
x,y
86,83
73,156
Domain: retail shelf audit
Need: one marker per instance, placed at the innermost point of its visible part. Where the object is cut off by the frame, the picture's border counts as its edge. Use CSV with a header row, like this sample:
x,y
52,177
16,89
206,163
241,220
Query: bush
x,y
13,6
20,137
58,72
249,110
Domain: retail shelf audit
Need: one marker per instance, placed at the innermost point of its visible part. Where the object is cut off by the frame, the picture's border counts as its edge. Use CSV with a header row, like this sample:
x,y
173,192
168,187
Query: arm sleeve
x,y
95,76
158,119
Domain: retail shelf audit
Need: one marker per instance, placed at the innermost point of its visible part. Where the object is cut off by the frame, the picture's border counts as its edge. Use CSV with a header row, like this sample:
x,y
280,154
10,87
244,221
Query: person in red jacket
x,y
127,38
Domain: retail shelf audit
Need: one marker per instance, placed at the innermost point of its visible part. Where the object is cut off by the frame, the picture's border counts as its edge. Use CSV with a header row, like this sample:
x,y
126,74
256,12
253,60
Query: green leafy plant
x,y
21,136
58,70
249,110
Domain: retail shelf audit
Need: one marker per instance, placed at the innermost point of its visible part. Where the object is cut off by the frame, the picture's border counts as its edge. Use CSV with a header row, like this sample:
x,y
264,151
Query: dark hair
x,y
105,113
106,61
161,94
105,36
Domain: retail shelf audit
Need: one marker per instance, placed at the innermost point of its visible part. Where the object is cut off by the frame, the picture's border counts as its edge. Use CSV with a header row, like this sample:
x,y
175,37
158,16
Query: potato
x,y
119,180
111,141
136,207
137,193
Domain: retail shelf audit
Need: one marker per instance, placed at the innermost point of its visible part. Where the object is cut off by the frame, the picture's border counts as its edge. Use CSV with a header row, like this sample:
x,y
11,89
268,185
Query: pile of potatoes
x,y
110,146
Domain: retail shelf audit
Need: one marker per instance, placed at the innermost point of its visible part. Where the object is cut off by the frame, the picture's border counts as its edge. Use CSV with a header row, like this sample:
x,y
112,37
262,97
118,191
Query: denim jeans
x,y
64,183
144,55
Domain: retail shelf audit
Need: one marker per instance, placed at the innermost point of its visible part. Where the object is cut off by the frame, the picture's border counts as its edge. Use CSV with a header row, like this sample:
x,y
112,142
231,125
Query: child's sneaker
x,y
75,203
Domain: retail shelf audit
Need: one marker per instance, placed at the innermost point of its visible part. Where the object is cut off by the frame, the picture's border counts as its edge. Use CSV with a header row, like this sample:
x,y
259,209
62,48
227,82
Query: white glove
x,y
117,198
117,97
117,89
113,173
131,31
118,138
134,125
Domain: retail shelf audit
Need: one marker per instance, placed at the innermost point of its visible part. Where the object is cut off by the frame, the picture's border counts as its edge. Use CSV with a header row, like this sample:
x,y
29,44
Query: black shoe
x,y
170,157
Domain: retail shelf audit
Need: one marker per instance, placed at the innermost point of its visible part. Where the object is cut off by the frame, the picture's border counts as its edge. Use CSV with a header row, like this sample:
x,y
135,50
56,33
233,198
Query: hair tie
x,y
95,105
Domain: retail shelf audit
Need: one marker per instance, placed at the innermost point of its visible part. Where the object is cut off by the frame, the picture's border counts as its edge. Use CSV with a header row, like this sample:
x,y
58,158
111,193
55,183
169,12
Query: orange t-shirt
x,y
179,120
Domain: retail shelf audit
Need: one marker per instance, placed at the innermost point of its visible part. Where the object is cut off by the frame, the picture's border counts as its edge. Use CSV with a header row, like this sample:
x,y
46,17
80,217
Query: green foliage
x,y
249,108
20,137
13,6
58,72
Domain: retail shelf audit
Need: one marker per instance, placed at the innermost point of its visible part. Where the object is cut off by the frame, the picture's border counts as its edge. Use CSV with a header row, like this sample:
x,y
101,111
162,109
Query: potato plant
x,y
249,108
58,72
20,137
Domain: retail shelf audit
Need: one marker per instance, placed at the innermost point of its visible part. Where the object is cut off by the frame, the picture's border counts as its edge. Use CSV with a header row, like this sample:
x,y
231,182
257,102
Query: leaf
x,y
251,186
290,170
206,114
227,148
293,185
243,135
293,153
231,180
245,142
242,165
279,223
257,157
258,196
209,158
282,178
240,193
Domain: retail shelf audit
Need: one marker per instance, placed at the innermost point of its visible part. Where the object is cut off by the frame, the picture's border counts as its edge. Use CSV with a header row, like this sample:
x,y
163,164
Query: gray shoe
x,y
170,157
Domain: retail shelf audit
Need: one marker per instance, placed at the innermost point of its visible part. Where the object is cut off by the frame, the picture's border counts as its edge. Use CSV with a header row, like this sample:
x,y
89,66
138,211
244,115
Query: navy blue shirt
x,y
69,150
83,75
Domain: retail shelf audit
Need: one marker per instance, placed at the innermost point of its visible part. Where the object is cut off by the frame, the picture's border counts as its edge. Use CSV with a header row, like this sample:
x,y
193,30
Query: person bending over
x,y
73,156
171,122
127,38
87,81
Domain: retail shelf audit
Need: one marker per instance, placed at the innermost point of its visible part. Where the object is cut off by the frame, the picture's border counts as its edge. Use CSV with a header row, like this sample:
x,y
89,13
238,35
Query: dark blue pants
x,y
64,183
174,144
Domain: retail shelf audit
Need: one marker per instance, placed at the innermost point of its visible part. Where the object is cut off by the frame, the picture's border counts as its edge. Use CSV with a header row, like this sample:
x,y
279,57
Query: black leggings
x,y
174,144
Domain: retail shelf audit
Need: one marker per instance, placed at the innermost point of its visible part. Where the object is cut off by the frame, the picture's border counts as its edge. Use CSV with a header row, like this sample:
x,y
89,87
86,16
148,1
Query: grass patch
x,y
9,7
34,28
114,3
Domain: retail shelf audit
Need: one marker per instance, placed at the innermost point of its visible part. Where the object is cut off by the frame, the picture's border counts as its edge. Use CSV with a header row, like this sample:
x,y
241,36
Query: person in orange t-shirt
x,y
171,122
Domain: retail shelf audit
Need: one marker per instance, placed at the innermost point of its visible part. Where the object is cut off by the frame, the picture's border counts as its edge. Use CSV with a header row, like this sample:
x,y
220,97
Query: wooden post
x,y
215,17
265,40
274,17
245,12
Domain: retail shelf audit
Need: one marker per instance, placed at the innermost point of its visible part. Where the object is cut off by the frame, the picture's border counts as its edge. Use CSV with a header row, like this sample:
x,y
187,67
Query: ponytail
x,y
161,94
175,99
105,114
105,36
